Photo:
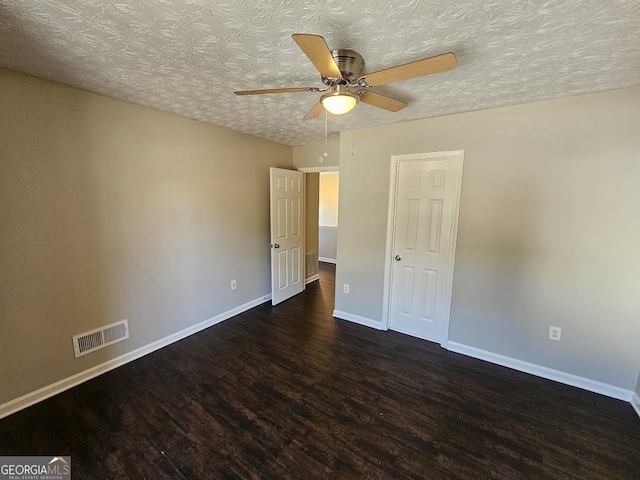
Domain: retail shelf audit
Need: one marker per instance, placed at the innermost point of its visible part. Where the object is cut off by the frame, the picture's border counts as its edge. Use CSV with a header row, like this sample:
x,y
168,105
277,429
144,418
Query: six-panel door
x,y
287,234
422,246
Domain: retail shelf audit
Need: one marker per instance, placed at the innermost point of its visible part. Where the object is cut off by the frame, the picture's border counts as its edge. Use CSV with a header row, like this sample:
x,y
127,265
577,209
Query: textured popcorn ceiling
x,y
188,57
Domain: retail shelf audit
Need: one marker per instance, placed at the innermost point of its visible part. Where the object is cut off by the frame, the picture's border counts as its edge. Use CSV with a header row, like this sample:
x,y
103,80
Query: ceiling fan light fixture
x,y
339,101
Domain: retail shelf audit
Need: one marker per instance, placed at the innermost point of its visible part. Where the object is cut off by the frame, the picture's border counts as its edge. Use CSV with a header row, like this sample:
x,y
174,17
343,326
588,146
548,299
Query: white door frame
x,y
455,155
328,168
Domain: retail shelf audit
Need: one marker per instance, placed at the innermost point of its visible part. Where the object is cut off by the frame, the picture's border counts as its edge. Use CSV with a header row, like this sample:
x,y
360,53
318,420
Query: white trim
x,y
327,260
328,168
312,278
43,393
635,402
367,322
326,227
544,372
391,221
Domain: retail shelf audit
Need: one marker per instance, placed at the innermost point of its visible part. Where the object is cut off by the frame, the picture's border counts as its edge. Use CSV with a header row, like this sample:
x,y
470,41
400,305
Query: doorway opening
x,y
321,220
328,217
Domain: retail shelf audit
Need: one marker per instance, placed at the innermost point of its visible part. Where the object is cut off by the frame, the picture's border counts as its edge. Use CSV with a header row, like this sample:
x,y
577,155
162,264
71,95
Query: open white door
x,y
287,234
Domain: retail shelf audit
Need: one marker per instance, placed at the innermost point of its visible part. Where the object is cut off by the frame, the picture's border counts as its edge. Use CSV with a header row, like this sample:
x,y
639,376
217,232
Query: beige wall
x,y
548,231
329,184
307,156
312,186
111,211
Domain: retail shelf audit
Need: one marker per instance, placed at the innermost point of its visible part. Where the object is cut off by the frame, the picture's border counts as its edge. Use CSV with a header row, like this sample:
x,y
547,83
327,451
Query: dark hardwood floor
x,y
290,392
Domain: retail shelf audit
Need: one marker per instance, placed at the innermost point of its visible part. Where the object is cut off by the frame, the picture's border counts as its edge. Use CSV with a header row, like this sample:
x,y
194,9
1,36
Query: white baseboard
x,y
41,394
367,322
635,402
544,372
327,260
312,278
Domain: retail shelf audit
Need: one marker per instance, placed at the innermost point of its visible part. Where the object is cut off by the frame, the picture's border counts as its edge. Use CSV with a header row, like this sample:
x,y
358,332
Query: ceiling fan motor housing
x,y
349,63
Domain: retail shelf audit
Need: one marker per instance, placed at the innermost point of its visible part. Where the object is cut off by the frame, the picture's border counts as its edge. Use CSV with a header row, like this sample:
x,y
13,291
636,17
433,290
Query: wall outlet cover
x,y
555,333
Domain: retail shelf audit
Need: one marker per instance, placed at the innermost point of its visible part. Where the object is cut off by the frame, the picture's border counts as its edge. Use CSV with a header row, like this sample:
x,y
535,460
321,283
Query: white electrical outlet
x,y
555,333
233,284
346,288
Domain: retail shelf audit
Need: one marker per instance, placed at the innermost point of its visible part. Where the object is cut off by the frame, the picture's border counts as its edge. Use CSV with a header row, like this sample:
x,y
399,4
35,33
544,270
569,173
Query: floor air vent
x,y
101,337
311,264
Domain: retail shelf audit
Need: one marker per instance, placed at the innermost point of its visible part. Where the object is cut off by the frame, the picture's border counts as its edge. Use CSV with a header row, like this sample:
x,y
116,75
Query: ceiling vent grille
x,y
88,342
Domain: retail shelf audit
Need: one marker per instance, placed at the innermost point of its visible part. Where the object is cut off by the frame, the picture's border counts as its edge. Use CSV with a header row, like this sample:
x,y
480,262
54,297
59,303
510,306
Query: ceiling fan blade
x,y
382,101
426,66
314,112
275,90
318,52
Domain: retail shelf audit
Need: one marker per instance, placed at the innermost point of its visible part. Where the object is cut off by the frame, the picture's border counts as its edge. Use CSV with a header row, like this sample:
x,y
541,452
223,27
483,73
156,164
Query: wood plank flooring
x,y
290,392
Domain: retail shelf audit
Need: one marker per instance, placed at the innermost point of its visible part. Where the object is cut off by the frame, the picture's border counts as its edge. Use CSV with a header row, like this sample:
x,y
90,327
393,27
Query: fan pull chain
x,y
326,122
353,130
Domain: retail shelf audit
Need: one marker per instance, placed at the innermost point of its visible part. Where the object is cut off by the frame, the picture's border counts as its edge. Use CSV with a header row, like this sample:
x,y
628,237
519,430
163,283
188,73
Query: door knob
x,y
275,245
398,258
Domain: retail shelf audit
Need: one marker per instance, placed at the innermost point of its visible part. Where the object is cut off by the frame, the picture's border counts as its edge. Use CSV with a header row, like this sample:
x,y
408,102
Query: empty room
x,y
181,297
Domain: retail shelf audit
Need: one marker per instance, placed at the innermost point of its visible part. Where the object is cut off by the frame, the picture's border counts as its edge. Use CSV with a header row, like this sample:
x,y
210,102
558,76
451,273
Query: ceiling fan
x,y
346,85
